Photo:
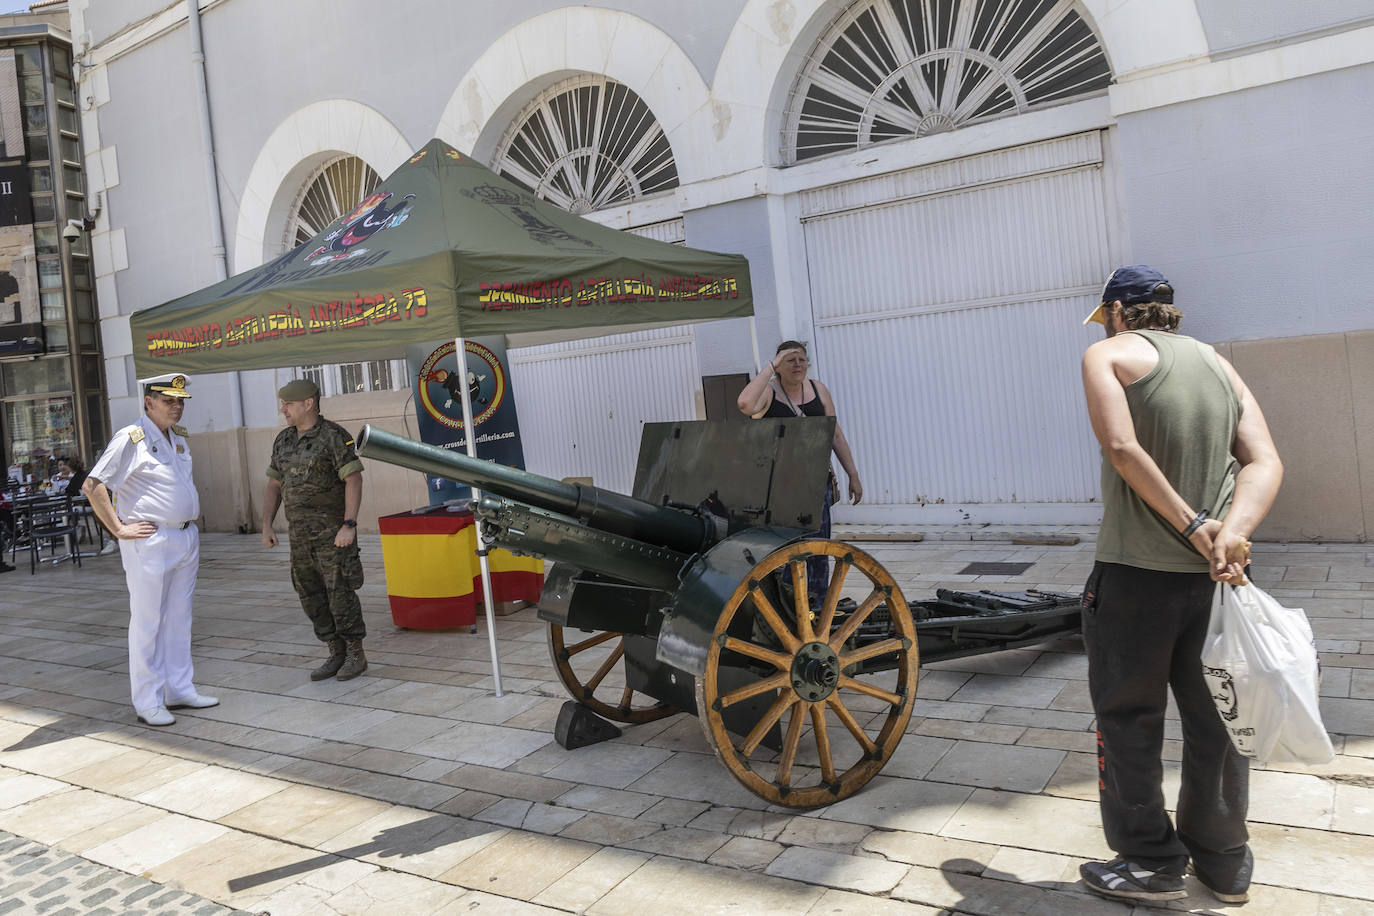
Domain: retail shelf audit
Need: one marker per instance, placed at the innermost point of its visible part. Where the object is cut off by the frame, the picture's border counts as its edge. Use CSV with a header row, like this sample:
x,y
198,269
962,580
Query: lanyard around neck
x,y
788,398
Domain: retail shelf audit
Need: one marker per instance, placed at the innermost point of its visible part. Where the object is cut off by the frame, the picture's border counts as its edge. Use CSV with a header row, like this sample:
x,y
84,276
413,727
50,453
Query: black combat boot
x,y
355,663
332,664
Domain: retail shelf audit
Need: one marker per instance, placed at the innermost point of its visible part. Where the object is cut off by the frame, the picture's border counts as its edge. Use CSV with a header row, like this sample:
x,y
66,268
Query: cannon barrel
x,y
600,509
525,529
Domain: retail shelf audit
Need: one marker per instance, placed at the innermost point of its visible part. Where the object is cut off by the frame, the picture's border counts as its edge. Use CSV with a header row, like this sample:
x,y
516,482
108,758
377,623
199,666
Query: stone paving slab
x,y
35,878
414,790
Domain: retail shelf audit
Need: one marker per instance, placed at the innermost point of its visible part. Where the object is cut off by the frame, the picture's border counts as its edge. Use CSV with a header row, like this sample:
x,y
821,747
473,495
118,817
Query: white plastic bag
x,y
1261,665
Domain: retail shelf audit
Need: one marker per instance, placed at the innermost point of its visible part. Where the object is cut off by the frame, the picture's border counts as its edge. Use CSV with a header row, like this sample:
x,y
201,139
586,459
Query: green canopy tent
x,y
443,248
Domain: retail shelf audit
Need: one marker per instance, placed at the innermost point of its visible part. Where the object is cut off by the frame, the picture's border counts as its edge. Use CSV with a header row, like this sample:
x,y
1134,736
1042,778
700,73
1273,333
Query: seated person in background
x,y
62,480
78,469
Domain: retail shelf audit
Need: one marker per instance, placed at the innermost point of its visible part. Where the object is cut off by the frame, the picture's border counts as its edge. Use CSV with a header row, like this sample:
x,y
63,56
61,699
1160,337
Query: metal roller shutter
x,y
948,303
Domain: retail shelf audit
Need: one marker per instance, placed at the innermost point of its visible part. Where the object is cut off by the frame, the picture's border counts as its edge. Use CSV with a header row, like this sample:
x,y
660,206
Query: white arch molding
x,y
575,40
300,144
716,130
731,125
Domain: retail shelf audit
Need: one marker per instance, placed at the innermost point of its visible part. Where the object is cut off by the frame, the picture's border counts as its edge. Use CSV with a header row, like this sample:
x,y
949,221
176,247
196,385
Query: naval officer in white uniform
x,y
147,469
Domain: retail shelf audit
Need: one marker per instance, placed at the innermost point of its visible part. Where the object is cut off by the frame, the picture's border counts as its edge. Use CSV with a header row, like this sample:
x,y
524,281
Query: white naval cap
x,y
173,385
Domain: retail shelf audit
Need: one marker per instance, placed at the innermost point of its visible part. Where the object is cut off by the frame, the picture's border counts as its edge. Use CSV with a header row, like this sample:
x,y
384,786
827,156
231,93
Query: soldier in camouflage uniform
x,y
316,472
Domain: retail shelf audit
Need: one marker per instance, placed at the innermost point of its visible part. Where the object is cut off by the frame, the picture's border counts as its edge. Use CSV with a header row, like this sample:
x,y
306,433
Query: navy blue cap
x,y
1131,285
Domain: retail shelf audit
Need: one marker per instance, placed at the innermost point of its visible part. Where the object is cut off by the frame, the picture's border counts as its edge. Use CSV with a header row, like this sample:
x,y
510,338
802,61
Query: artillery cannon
x,y
696,589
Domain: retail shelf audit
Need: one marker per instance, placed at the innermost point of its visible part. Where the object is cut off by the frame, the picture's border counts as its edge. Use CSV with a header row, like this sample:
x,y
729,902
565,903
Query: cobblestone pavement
x,y
413,789
38,879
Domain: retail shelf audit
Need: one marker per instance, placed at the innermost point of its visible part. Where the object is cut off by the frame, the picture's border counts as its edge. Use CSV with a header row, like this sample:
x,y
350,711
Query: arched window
x,y
331,191
890,69
585,144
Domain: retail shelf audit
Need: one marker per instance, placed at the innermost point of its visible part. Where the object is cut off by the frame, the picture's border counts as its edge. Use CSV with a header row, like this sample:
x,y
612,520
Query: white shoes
x,y
194,701
157,715
110,547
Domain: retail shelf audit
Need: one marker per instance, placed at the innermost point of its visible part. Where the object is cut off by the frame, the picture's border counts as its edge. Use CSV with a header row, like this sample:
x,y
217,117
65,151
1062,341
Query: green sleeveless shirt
x,y
1185,412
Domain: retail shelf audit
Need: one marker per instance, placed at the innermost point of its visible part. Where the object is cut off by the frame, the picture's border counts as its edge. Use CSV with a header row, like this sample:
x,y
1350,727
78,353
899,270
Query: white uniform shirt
x,y
150,479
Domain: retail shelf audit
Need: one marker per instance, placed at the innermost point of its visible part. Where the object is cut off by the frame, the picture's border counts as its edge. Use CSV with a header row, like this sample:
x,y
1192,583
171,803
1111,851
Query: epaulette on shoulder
x,y
180,430
135,433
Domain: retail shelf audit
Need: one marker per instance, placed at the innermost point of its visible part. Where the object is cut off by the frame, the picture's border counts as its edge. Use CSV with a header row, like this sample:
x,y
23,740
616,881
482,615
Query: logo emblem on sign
x,y
441,381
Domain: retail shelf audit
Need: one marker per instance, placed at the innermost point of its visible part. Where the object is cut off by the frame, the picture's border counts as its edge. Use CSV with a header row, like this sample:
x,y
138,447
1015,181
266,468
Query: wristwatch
x,y
350,523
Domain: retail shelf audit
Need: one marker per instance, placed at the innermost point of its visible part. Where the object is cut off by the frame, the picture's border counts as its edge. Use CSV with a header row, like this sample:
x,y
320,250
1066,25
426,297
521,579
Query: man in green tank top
x,y
1188,472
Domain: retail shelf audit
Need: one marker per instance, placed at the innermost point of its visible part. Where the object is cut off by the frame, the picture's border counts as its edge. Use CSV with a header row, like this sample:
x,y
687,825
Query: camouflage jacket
x,y
311,467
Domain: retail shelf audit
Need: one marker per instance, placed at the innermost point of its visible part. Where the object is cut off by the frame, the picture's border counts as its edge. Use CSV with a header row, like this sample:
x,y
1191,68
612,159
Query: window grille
x,y
314,373
892,69
585,144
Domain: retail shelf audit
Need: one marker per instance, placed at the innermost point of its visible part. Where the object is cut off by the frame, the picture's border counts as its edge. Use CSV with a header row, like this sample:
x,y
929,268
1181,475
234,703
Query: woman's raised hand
x,y
782,358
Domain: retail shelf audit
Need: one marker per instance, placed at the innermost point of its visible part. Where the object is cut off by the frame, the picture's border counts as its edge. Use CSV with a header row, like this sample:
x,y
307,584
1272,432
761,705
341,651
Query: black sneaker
x,y
1236,895
1122,879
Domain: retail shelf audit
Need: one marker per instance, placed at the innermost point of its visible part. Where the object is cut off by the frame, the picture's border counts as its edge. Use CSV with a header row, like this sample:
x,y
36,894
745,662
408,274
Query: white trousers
x,y
161,574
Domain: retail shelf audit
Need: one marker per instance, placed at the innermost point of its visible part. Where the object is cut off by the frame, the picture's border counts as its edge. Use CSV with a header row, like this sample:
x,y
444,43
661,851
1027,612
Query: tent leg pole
x,y
489,604
488,596
754,342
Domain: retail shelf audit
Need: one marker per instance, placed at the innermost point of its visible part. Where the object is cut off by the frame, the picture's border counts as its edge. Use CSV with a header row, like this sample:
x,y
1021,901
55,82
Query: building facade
x,y
929,193
52,396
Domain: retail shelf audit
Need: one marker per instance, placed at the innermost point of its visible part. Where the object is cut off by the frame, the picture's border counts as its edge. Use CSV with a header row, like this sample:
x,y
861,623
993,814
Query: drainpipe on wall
x,y
207,136
218,251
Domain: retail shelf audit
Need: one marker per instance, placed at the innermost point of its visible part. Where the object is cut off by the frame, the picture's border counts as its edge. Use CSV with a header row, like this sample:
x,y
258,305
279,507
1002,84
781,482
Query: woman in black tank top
x,y
782,390
812,407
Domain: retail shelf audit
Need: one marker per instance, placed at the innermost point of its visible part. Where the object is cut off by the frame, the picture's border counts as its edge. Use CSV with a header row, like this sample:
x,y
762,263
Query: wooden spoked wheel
x,y
839,727
590,667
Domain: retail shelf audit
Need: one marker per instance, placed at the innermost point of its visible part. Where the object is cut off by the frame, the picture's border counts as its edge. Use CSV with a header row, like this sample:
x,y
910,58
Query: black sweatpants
x,y
1144,632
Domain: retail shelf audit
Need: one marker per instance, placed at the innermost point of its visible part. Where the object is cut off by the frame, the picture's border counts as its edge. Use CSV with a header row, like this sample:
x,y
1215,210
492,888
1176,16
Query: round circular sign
x,y
439,385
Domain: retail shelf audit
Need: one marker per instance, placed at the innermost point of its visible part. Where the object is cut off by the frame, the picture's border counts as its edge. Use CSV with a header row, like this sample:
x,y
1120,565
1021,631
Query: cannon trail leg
x,y
838,726
591,666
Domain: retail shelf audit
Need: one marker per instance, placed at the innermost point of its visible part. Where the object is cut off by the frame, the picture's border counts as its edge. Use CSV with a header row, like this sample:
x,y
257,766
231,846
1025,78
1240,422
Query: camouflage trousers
x,y
327,579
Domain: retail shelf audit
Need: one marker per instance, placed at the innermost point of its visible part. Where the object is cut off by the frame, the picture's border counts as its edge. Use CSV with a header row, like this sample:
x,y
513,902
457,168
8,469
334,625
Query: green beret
x,y
298,389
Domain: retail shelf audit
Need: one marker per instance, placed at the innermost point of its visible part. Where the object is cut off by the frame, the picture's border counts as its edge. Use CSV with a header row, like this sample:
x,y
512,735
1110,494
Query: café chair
x,y
50,522
91,528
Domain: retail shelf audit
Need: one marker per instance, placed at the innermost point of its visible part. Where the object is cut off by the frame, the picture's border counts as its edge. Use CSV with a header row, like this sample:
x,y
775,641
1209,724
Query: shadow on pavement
x,y
411,839
988,891
62,729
